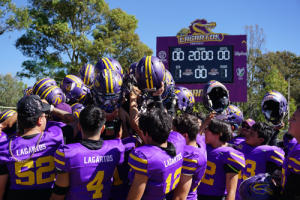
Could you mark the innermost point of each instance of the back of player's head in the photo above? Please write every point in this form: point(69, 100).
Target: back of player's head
point(222, 128)
point(157, 124)
point(263, 130)
point(91, 120)
point(187, 123)
point(199, 115)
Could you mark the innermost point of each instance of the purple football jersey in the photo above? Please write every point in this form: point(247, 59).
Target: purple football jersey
point(291, 164)
point(200, 139)
point(39, 171)
point(194, 164)
point(163, 173)
point(256, 159)
point(91, 171)
point(214, 181)
point(121, 183)
point(54, 123)
point(289, 144)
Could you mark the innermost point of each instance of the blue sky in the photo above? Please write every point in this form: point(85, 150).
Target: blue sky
point(280, 21)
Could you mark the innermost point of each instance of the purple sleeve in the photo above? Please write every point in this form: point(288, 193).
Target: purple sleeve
point(294, 161)
point(138, 162)
point(235, 159)
point(189, 165)
point(275, 155)
point(61, 162)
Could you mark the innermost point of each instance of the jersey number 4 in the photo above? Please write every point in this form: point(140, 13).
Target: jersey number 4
point(96, 185)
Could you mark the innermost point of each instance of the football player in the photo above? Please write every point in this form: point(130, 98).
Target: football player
point(29, 159)
point(194, 158)
point(85, 169)
point(260, 158)
point(223, 163)
point(291, 165)
point(153, 178)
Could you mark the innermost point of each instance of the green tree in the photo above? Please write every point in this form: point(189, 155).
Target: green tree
point(65, 35)
point(12, 17)
point(183, 31)
point(10, 90)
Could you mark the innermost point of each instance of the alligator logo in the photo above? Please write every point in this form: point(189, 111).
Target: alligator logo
point(201, 31)
point(261, 188)
point(202, 27)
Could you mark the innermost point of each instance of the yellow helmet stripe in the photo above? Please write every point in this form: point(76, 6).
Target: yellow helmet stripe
point(108, 61)
point(106, 80)
point(150, 71)
point(38, 82)
point(85, 73)
point(7, 113)
point(111, 82)
point(146, 71)
point(47, 91)
point(105, 63)
point(42, 84)
point(90, 70)
point(74, 78)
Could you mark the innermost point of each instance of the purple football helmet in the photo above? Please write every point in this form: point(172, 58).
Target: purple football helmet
point(67, 82)
point(42, 84)
point(53, 95)
point(6, 114)
point(259, 187)
point(274, 107)
point(109, 63)
point(77, 94)
point(185, 99)
point(169, 87)
point(77, 106)
point(234, 116)
point(149, 73)
point(215, 97)
point(28, 91)
point(107, 91)
point(87, 74)
point(129, 77)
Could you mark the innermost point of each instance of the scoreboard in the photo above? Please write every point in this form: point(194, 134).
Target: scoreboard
point(202, 55)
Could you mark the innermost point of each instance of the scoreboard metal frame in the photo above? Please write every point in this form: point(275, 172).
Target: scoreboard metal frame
point(197, 38)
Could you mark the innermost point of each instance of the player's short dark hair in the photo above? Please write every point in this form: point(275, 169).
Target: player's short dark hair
point(263, 130)
point(157, 124)
point(187, 123)
point(29, 122)
point(91, 120)
point(222, 128)
point(199, 115)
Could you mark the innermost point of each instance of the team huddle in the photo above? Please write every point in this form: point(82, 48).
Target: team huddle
point(105, 134)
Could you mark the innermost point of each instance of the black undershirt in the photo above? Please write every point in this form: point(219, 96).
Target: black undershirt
point(291, 190)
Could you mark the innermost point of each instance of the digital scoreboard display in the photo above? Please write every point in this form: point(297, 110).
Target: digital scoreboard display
point(200, 64)
point(203, 55)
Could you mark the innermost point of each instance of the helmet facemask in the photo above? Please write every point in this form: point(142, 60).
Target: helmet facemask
point(218, 99)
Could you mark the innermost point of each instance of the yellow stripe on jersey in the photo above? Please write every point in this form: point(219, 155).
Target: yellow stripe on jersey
point(136, 168)
point(278, 159)
point(150, 72)
point(279, 154)
point(237, 156)
point(138, 159)
point(296, 161)
point(146, 71)
point(189, 168)
point(190, 160)
point(108, 61)
point(230, 159)
point(60, 153)
point(294, 168)
point(111, 82)
point(106, 81)
point(59, 162)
